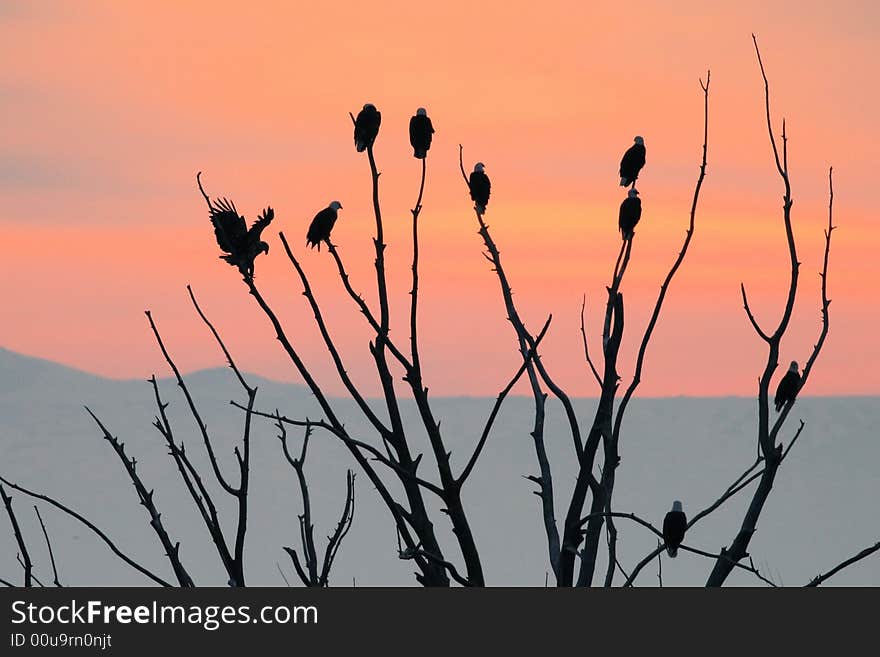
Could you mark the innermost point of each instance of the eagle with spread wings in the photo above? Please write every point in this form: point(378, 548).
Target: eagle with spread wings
point(240, 243)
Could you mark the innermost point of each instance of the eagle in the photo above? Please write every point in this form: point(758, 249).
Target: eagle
point(421, 131)
point(322, 224)
point(788, 387)
point(632, 162)
point(366, 127)
point(630, 213)
point(240, 243)
point(674, 526)
point(480, 187)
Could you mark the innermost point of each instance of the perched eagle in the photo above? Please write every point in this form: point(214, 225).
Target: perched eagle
point(366, 127)
point(242, 245)
point(421, 131)
point(632, 162)
point(630, 213)
point(480, 187)
point(322, 224)
point(674, 526)
point(788, 387)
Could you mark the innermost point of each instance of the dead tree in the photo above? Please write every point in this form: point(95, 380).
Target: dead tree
point(230, 553)
point(308, 568)
point(385, 452)
point(393, 448)
point(605, 428)
point(772, 453)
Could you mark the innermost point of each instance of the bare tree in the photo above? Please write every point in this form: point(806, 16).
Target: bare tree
point(385, 447)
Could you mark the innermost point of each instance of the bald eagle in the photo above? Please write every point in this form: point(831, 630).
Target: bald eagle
point(674, 526)
point(788, 387)
point(632, 162)
point(630, 213)
point(366, 127)
point(242, 245)
point(421, 131)
point(480, 187)
point(322, 224)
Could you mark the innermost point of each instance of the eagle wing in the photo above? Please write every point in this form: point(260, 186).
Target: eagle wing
point(229, 227)
point(264, 220)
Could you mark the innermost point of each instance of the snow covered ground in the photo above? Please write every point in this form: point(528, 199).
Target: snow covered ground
point(822, 509)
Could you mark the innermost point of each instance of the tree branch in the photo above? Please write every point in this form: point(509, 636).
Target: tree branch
point(57, 582)
point(141, 569)
point(25, 561)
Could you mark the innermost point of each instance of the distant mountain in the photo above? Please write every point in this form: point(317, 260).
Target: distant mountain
point(822, 509)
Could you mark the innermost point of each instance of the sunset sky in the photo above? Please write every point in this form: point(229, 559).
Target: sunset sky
point(109, 110)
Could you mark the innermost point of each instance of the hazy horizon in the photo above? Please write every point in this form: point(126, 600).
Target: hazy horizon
point(50, 444)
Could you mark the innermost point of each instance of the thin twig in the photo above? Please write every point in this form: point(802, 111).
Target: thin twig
point(848, 562)
point(25, 561)
point(57, 582)
point(58, 505)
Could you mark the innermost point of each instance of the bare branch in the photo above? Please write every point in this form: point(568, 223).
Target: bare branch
point(586, 348)
point(499, 401)
point(172, 550)
point(637, 377)
point(414, 292)
point(758, 330)
point(203, 428)
point(56, 581)
point(331, 347)
point(58, 505)
point(848, 562)
point(219, 341)
point(25, 555)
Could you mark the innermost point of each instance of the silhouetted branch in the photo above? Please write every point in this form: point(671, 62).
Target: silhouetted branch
point(365, 309)
point(429, 575)
point(586, 348)
point(414, 292)
point(342, 528)
point(497, 406)
point(203, 428)
point(450, 568)
point(172, 550)
point(867, 552)
point(637, 377)
point(533, 369)
point(25, 559)
point(198, 492)
point(309, 573)
point(226, 353)
point(331, 347)
point(58, 505)
point(772, 453)
point(56, 581)
point(758, 330)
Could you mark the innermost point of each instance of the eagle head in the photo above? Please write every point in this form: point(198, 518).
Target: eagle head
point(639, 141)
point(793, 367)
point(676, 505)
point(421, 112)
point(335, 205)
point(632, 193)
point(478, 167)
point(369, 106)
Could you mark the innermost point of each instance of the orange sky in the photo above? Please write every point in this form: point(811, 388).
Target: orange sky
point(108, 111)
